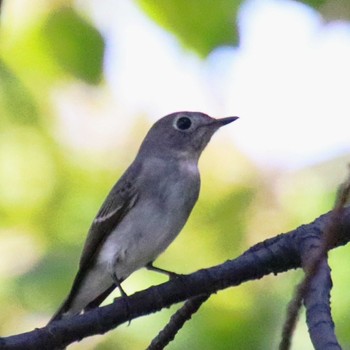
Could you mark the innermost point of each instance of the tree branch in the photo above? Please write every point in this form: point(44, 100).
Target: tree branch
point(177, 321)
point(274, 255)
point(317, 283)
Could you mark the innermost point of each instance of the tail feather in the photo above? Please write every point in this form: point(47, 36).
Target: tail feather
point(66, 305)
point(65, 308)
point(98, 300)
point(58, 315)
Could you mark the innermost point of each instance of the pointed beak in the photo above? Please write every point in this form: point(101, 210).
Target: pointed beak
point(225, 121)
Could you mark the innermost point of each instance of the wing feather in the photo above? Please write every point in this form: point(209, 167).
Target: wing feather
point(118, 203)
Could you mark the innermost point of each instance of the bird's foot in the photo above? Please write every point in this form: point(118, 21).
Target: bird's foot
point(170, 274)
point(124, 297)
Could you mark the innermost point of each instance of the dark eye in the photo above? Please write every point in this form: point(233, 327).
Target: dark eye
point(183, 123)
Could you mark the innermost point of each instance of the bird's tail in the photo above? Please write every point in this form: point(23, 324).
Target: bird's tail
point(65, 309)
point(61, 312)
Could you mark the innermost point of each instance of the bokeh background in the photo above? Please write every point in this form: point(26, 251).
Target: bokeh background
point(80, 84)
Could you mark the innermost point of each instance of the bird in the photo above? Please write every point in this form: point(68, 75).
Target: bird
point(144, 211)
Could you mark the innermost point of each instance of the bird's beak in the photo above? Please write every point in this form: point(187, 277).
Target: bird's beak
point(225, 121)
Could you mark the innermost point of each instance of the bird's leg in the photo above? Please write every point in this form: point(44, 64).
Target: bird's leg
point(124, 296)
point(119, 285)
point(170, 274)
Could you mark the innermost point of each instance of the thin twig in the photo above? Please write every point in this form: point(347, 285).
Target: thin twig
point(168, 333)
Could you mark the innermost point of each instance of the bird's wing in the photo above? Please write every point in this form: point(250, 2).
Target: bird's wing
point(121, 199)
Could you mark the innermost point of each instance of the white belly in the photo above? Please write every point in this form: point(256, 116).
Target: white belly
point(142, 235)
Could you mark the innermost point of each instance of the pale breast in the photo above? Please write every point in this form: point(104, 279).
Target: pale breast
point(166, 196)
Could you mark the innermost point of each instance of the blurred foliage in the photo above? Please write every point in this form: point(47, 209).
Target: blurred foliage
point(198, 25)
point(330, 9)
point(15, 100)
point(317, 4)
point(50, 189)
point(204, 26)
point(74, 44)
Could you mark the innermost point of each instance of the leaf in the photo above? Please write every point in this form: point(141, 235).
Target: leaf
point(199, 25)
point(16, 101)
point(75, 44)
point(330, 10)
point(316, 4)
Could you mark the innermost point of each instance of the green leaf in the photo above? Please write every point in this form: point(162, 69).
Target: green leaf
point(330, 10)
point(199, 25)
point(316, 4)
point(15, 100)
point(75, 45)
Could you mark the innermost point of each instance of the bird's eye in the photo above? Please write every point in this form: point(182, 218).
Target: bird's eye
point(183, 123)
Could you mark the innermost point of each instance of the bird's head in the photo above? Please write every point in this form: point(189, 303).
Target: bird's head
point(182, 134)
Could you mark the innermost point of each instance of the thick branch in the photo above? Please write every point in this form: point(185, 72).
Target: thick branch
point(318, 310)
point(316, 286)
point(274, 255)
